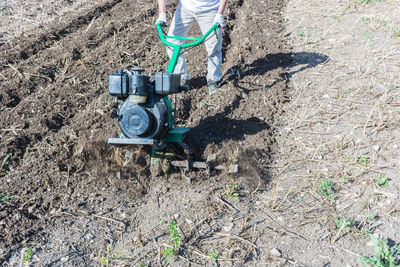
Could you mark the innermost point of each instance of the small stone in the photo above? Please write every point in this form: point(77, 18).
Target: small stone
point(90, 236)
point(275, 252)
point(228, 227)
point(188, 221)
point(176, 216)
point(395, 146)
point(327, 96)
point(30, 209)
point(64, 259)
point(376, 148)
point(319, 156)
point(288, 129)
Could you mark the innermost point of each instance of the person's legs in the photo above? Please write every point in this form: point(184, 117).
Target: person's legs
point(213, 45)
point(180, 25)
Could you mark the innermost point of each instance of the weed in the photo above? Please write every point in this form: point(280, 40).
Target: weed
point(344, 225)
point(235, 155)
point(343, 222)
point(382, 22)
point(341, 145)
point(382, 181)
point(142, 264)
point(4, 197)
point(174, 235)
point(372, 216)
point(385, 255)
point(363, 160)
point(201, 103)
point(367, 35)
point(103, 260)
point(326, 188)
point(213, 256)
point(303, 34)
point(232, 191)
point(363, 19)
point(175, 239)
point(396, 32)
point(169, 253)
point(28, 255)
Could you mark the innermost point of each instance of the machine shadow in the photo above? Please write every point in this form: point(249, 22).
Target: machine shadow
point(219, 127)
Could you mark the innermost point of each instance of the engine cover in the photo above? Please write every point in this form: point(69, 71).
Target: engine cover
point(147, 120)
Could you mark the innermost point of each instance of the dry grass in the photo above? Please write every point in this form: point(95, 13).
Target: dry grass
point(341, 124)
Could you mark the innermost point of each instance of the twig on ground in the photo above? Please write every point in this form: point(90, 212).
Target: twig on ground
point(16, 71)
point(90, 25)
point(283, 228)
point(237, 237)
point(227, 204)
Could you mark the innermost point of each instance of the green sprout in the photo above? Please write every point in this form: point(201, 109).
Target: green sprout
point(28, 255)
point(372, 216)
point(344, 225)
point(173, 234)
point(326, 188)
point(396, 32)
point(385, 255)
point(232, 191)
point(382, 181)
point(343, 222)
point(213, 256)
point(175, 239)
point(363, 160)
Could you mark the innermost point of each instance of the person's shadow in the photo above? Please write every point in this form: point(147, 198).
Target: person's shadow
point(219, 127)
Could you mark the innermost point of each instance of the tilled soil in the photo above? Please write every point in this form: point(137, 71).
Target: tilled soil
point(55, 120)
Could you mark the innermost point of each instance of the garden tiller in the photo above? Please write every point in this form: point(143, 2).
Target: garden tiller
point(146, 116)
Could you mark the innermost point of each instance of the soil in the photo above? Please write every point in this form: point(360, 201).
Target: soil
point(55, 121)
point(67, 198)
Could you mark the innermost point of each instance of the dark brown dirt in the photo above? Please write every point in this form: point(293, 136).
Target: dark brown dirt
point(55, 110)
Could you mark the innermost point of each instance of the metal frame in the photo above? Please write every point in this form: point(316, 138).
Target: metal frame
point(177, 47)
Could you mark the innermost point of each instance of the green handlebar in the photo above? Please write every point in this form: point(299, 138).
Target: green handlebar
point(177, 48)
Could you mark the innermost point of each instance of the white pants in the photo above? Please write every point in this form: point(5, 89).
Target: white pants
point(180, 26)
